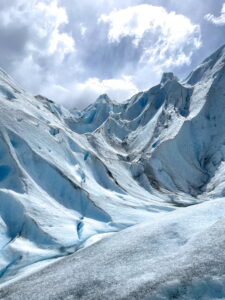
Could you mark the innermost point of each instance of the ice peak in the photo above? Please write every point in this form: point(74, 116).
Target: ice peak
point(167, 76)
point(218, 54)
point(42, 98)
point(104, 98)
point(209, 67)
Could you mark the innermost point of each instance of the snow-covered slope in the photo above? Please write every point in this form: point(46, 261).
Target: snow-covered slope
point(71, 178)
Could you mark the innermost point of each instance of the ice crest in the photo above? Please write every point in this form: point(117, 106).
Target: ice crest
point(169, 76)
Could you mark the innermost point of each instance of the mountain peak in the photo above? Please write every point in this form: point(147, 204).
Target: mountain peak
point(209, 67)
point(167, 76)
point(103, 98)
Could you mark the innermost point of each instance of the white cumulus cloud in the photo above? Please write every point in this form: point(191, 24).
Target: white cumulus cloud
point(84, 93)
point(169, 39)
point(118, 89)
point(219, 21)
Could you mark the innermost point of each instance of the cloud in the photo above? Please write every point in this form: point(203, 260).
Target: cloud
point(167, 39)
point(73, 51)
point(33, 44)
point(51, 17)
point(219, 21)
point(84, 93)
point(83, 30)
point(43, 20)
point(117, 89)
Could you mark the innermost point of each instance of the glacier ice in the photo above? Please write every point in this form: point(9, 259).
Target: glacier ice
point(134, 190)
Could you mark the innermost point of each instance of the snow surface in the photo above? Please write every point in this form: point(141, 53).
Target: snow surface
point(135, 190)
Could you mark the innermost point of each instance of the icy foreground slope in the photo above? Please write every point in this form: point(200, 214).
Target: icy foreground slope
point(179, 256)
point(71, 178)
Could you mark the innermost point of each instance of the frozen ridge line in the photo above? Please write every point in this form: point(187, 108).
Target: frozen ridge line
point(135, 191)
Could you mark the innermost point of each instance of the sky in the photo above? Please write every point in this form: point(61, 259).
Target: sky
point(71, 51)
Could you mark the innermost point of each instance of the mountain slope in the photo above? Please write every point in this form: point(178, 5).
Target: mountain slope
point(71, 178)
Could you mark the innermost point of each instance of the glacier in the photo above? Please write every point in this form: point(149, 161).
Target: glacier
point(119, 200)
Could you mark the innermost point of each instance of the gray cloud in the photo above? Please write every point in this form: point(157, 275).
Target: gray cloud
point(13, 42)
